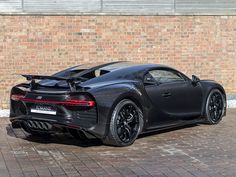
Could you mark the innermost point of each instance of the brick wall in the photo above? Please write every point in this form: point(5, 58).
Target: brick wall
point(203, 45)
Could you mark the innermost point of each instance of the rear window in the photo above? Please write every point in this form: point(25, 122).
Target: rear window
point(74, 72)
point(95, 73)
point(68, 73)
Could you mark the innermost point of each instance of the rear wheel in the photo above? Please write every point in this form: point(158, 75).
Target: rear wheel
point(215, 107)
point(125, 125)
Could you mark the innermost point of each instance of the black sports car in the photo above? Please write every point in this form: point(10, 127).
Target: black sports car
point(114, 102)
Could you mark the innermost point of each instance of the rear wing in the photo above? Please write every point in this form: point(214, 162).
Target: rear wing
point(70, 81)
point(41, 77)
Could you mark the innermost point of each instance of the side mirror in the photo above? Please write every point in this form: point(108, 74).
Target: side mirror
point(195, 79)
point(149, 81)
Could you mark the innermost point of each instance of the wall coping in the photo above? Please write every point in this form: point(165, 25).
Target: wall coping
point(116, 14)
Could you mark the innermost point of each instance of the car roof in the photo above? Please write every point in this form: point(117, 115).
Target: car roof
point(126, 65)
point(115, 71)
point(115, 66)
point(121, 70)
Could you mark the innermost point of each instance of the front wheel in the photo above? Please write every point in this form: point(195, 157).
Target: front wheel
point(125, 125)
point(215, 107)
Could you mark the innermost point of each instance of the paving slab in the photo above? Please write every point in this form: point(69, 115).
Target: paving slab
point(191, 151)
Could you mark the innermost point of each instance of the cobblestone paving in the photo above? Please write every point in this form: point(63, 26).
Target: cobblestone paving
point(200, 150)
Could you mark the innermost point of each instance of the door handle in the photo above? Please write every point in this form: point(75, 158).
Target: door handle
point(168, 94)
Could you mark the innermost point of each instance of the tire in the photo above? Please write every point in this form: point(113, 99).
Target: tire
point(215, 107)
point(125, 125)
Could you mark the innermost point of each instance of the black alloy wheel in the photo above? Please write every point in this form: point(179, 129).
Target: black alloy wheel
point(126, 124)
point(215, 107)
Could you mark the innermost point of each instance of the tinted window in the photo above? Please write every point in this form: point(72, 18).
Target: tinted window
point(74, 72)
point(164, 76)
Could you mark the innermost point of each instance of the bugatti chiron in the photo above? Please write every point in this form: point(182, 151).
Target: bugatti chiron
point(114, 102)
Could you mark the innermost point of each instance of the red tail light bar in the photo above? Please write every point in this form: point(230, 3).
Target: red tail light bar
point(17, 97)
point(69, 102)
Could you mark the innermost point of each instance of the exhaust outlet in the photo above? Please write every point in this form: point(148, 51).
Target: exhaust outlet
point(38, 125)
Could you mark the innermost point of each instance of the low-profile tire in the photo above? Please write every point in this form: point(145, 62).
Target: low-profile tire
point(215, 107)
point(125, 125)
point(34, 133)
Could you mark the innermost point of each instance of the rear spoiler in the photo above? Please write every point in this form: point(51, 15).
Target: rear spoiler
point(41, 77)
point(70, 81)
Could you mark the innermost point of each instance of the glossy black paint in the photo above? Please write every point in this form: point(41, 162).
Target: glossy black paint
point(163, 105)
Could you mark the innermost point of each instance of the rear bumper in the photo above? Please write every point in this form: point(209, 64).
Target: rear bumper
point(97, 130)
point(68, 109)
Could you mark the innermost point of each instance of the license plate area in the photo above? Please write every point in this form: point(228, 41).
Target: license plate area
point(43, 109)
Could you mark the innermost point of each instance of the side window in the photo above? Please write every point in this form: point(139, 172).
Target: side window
point(165, 76)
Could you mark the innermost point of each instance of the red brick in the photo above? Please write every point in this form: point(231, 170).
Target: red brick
point(201, 45)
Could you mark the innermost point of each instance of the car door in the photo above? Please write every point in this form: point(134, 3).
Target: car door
point(173, 96)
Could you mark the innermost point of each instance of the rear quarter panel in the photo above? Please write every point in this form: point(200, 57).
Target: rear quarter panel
point(108, 96)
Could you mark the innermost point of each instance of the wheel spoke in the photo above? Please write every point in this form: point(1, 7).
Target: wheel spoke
point(130, 118)
point(128, 133)
point(122, 115)
point(127, 127)
point(215, 115)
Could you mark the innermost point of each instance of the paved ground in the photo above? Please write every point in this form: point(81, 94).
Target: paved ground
point(187, 152)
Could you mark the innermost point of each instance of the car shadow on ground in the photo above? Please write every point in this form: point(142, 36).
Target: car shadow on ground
point(57, 138)
point(67, 139)
point(166, 130)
